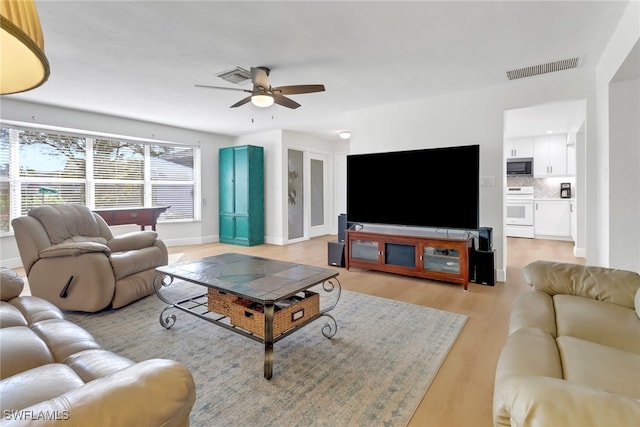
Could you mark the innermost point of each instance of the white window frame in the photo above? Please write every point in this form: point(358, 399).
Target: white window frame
point(15, 180)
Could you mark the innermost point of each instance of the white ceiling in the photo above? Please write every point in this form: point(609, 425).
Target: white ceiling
point(141, 59)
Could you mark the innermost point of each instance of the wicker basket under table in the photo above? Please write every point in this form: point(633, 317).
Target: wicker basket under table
point(252, 320)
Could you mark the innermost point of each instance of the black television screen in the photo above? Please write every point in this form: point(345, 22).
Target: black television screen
point(436, 187)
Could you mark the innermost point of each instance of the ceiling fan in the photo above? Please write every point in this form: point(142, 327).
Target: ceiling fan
point(263, 95)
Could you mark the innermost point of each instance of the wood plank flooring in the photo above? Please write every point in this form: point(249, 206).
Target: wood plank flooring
point(461, 394)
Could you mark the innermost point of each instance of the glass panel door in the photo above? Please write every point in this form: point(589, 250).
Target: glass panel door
point(295, 193)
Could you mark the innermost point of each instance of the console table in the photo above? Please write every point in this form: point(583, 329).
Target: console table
point(432, 255)
point(139, 216)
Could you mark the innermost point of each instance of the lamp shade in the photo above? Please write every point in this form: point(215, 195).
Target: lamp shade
point(23, 65)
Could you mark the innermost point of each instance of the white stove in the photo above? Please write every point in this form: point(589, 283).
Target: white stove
point(519, 212)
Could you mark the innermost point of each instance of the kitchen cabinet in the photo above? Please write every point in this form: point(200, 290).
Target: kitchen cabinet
point(552, 218)
point(518, 148)
point(550, 156)
point(241, 198)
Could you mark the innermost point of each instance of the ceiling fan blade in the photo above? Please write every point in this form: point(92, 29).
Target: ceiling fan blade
point(284, 101)
point(260, 77)
point(225, 88)
point(296, 89)
point(241, 102)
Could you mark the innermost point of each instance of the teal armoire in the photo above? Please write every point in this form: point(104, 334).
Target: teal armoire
point(242, 195)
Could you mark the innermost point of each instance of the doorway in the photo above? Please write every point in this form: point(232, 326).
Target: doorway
point(529, 130)
point(308, 194)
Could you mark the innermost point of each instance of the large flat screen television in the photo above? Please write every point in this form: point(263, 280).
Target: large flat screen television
point(436, 187)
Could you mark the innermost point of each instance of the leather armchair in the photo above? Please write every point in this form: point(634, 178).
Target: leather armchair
point(73, 260)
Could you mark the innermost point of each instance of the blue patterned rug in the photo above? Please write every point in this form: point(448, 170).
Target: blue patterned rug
point(373, 372)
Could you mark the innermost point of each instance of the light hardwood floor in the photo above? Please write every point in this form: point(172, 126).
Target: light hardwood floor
point(461, 394)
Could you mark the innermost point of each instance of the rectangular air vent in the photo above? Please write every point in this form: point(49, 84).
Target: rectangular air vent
point(549, 67)
point(237, 75)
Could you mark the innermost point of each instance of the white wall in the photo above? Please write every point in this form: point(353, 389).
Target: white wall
point(605, 241)
point(173, 234)
point(624, 177)
point(470, 117)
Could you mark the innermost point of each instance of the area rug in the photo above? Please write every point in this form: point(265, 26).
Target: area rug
point(373, 372)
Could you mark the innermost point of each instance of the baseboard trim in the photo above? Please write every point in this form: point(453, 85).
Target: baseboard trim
point(579, 252)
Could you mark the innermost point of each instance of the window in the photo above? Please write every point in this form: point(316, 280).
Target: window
point(46, 167)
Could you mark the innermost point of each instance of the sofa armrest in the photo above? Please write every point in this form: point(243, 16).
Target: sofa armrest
point(132, 241)
point(599, 283)
point(73, 249)
point(31, 238)
point(544, 401)
point(156, 392)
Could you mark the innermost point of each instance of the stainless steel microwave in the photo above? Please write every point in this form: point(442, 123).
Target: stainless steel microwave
point(520, 167)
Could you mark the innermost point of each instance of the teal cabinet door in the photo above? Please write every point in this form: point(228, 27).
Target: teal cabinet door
point(226, 180)
point(241, 193)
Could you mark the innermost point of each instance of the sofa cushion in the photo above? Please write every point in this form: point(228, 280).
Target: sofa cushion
point(10, 316)
point(600, 366)
point(21, 350)
point(36, 385)
point(64, 338)
point(66, 220)
point(596, 321)
point(35, 309)
point(637, 303)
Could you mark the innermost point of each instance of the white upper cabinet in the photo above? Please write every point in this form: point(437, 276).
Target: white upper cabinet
point(518, 148)
point(550, 155)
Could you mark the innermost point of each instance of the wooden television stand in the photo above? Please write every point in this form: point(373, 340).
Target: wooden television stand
point(412, 252)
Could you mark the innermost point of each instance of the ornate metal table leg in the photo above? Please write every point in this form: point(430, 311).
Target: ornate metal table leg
point(329, 330)
point(159, 281)
point(269, 310)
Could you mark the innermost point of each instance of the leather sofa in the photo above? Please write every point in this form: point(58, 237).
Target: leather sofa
point(52, 372)
point(572, 357)
point(73, 260)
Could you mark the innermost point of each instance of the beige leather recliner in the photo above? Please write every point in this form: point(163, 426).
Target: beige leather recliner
point(73, 260)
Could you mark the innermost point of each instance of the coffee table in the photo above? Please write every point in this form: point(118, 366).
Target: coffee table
point(265, 283)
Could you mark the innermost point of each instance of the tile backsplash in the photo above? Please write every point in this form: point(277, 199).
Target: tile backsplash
point(543, 187)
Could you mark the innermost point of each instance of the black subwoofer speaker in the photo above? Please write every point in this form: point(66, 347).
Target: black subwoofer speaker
point(336, 254)
point(485, 238)
point(482, 267)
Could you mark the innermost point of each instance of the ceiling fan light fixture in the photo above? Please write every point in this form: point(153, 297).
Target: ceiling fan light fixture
point(262, 100)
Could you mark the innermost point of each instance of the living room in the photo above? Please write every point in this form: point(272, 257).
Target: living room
point(474, 115)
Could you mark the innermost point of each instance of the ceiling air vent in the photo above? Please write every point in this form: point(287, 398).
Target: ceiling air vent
point(237, 75)
point(549, 67)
